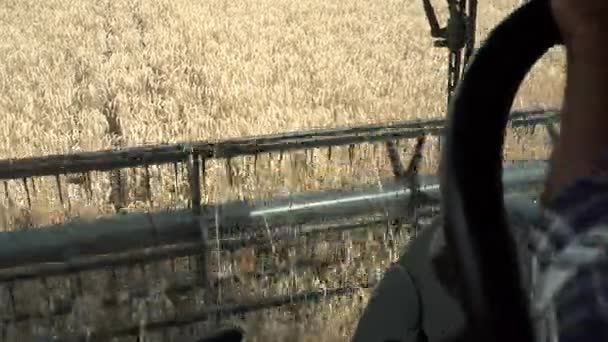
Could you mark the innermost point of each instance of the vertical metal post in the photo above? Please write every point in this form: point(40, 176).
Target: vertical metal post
point(148, 185)
point(471, 35)
point(176, 182)
point(118, 185)
point(59, 189)
point(6, 194)
point(195, 191)
point(89, 187)
point(457, 35)
point(27, 193)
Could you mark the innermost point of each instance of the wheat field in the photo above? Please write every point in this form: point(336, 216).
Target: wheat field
point(82, 75)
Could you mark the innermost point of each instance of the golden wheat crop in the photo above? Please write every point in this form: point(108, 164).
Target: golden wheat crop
point(80, 75)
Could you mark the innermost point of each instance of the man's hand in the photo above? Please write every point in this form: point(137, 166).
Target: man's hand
point(582, 149)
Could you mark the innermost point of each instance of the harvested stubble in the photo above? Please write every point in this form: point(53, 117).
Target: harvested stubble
point(84, 75)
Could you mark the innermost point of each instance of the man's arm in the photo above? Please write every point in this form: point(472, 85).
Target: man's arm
point(576, 194)
point(582, 149)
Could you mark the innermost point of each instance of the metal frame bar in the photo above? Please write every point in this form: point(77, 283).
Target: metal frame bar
point(137, 231)
point(140, 156)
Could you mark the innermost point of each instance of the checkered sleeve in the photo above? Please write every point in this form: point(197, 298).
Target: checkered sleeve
point(573, 268)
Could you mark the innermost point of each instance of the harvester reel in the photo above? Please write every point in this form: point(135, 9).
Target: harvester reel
point(70, 248)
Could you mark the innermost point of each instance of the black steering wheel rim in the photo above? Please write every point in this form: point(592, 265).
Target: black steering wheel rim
point(476, 226)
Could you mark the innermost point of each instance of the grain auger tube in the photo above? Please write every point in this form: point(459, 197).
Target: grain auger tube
point(480, 294)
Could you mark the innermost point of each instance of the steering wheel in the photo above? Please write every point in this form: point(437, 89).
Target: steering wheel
point(476, 227)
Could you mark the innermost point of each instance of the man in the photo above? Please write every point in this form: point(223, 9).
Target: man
point(417, 300)
point(576, 194)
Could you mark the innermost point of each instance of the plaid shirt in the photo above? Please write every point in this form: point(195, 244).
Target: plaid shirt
point(572, 280)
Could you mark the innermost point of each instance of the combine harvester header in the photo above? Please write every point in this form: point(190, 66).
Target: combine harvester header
point(133, 239)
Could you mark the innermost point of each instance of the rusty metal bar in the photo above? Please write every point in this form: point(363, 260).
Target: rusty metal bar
point(121, 233)
point(167, 252)
point(165, 154)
